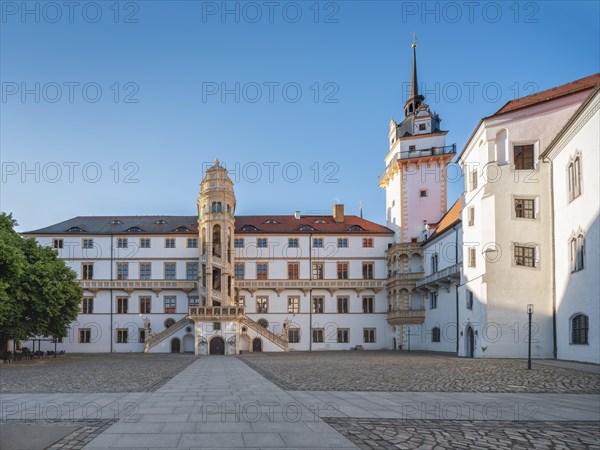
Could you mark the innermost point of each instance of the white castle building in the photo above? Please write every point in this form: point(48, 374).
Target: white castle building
point(217, 283)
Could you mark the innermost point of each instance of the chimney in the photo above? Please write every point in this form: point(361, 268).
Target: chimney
point(338, 213)
point(297, 215)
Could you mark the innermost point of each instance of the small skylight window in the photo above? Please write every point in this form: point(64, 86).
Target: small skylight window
point(116, 222)
point(74, 230)
point(270, 221)
point(249, 228)
point(355, 228)
point(160, 222)
point(135, 230)
point(306, 228)
point(320, 221)
point(182, 229)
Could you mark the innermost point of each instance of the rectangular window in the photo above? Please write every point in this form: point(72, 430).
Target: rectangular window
point(262, 271)
point(145, 305)
point(412, 148)
point(318, 305)
point(434, 263)
point(293, 271)
point(262, 305)
point(170, 305)
point(342, 305)
point(122, 271)
point(238, 243)
point(474, 179)
point(170, 243)
point(240, 301)
point(122, 336)
point(342, 243)
point(122, 305)
point(472, 257)
point(343, 335)
point(435, 335)
point(85, 335)
point(317, 271)
point(193, 301)
point(318, 335)
point(293, 305)
point(367, 271)
point(342, 271)
point(216, 326)
point(293, 335)
point(523, 155)
point(261, 243)
point(141, 335)
point(422, 127)
point(433, 298)
point(423, 193)
point(574, 177)
point(577, 252)
point(471, 214)
point(293, 243)
point(192, 243)
point(87, 305)
point(122, 243)
point(57, 243)
point(524, 256)
point(170, 273)
point(524, 208)
point(369, 335)
point(239, 271)
point(191, 270)
point(145, 243)
point(469, 300)
point(368, 305)
point(88, 243)
point(317, 242)
point(367, 242)
point(145, 271)
point(87, 271)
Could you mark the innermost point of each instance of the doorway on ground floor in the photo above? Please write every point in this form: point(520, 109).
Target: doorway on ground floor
point(469, 343)
point(175, 345)
point(257, 345)
point(217, 346)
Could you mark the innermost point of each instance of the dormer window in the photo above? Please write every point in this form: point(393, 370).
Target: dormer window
point(422, 127)
point(160, 222)
point(249, 228)
point(270, 221)
point(306, 228)
point(74, 230)
point(355, 228)
point(182, 230)
point(320, 221)
point(135, 230)
point(116, 222)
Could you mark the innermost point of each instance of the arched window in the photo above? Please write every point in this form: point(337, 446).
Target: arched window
point(169, 322)
point(579, 329)
point(576, 250)
point(574, 177)
point(435, 335)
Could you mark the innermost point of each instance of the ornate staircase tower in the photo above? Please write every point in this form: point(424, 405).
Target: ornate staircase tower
point(216, 207)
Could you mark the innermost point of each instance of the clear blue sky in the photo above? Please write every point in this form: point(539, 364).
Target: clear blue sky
point(179, 52)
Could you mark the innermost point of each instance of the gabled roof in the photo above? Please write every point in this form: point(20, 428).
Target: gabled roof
point(449, 219)
point(308, 224)
point(168, 225)
point(550, 94)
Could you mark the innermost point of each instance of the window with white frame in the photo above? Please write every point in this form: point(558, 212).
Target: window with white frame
point(574, 177)
point(524, 255)
point(122, 271)
point(262, 305)
point(293, 305)
point(524, 208)
point(145, 271)
point(576, 247)
point(343, 335)
point(239, 271)
point(369, 335)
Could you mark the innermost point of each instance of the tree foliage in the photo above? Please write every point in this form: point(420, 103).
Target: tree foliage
point(39, 293)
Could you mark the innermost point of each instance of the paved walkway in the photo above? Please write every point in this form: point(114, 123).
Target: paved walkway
point(220, 402)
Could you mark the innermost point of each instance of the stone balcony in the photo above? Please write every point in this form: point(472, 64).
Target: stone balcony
point(216, 313)
point(305, 286)
point(412, 316)
point(442, 277)
point(132, 285)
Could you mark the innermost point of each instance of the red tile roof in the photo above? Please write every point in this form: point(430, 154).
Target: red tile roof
point(450, 218)
point(312, 224)
point(550, 94)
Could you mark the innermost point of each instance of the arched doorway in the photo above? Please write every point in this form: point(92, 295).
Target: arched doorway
point(469, 343)
point(175, 345)
point(256, 345)
point(188, 343)
point(217, 346)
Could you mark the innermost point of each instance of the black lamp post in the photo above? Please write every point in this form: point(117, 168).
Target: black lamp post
point(529, 313)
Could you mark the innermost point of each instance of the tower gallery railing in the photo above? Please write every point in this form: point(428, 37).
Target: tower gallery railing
point(419, 153)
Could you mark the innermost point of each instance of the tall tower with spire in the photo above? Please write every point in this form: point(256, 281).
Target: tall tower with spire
point(414, 178)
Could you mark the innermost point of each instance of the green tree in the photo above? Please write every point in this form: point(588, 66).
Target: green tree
point(39, 293)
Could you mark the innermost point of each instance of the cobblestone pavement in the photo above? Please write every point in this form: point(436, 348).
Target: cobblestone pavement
point(414, 372)
point(83, 436)
point(429, 434)
point(116, 372)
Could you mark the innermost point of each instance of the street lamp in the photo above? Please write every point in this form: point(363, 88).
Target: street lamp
point(529, 313)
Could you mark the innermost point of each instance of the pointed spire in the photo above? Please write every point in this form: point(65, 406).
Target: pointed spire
point(414, 99)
